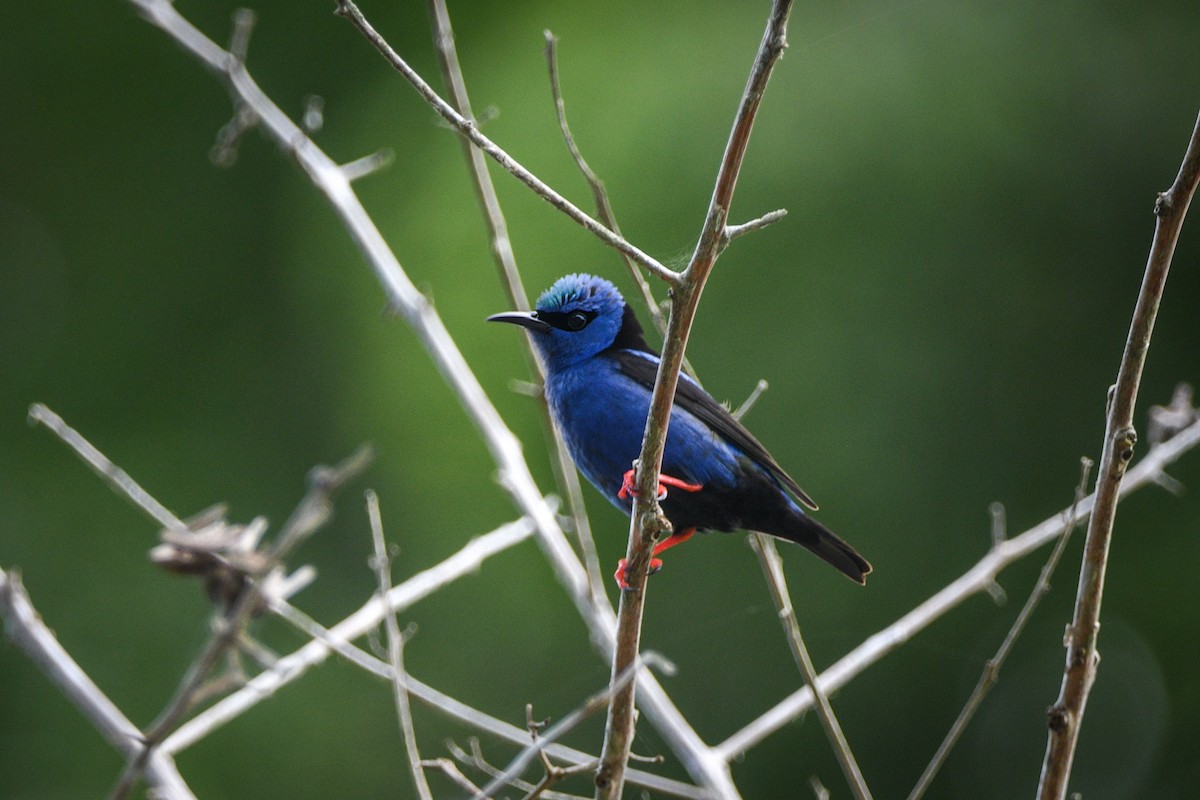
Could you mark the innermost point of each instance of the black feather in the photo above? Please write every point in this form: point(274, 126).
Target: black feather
point(690, 397)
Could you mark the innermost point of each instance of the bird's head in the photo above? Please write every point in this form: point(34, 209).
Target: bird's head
point(576, 318)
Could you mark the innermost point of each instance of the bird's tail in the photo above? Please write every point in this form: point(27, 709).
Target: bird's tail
point(807, 532)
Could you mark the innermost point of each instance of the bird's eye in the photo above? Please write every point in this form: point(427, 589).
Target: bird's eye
point(577, 320)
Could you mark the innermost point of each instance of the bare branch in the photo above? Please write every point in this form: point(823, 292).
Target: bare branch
point(975, 580)
point(117, 478)
point(1065, 716)
point(481, 179)
point(506, 263)
point(476, 759)
point(25, 628)
point(468, 129)
point(647, 521)
point(772, 567)
point(595, 703)
point(293, 666)
point(311, 513)
point(328, 177)
point(331, 639)
point(991, 670)
point(734, 231)
point(325, 641)
point(599, 194)
point(395, 641)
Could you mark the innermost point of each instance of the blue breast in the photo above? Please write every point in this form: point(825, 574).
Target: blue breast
point(602, 415)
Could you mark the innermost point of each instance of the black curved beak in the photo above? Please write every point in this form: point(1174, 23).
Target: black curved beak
point(526, 319)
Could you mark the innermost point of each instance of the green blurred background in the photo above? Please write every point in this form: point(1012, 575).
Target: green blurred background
point(969, 188)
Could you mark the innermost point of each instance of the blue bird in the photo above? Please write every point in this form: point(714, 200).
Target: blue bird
point(599, 375)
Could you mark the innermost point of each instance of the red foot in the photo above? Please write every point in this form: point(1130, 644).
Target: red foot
point(622, 573)
point(628, 490)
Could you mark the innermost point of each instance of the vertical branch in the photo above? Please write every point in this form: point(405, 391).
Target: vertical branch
point(1150, 470)
point(485, 190)
point(510, 277)
point(772, 566)
point(991, 670)
point(647, 521)
point(395, 648)
point(1065, 716)
point(599, 194)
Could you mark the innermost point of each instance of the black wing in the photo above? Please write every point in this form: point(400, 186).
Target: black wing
point(701, 405)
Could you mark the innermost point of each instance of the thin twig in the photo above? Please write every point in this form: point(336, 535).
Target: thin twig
point(593, 704)
point(117, 478)
point(452, 772)
point(975, 580)
point(1065, 716)
point(772, 567)
point(468, 129)
point(367, 165)
point(552, 773)
point(751, 399)
point(647, 521)
point(604, 208)
point(991, 670)
point(289, 668)
point(311, 512)
point(334, 641)
point(24, 626)
point(481, 180)
point(734, 231)
point(395, 647)
point(316, 507)
point(476, 759)
point(510, 277)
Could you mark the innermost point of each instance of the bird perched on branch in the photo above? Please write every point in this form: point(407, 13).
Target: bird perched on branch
point(715, 474)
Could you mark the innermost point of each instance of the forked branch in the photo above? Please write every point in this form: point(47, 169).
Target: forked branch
point(470, 130)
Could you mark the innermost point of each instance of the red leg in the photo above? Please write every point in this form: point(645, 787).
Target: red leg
point(621, 574)
point(627, 489)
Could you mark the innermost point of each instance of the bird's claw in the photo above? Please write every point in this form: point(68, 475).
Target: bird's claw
point(628, 490)
point(622, 573)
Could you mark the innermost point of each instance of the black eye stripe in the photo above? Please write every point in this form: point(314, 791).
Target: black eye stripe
point(570, 321)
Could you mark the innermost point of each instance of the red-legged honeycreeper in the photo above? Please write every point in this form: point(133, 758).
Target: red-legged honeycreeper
point(715, 474)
